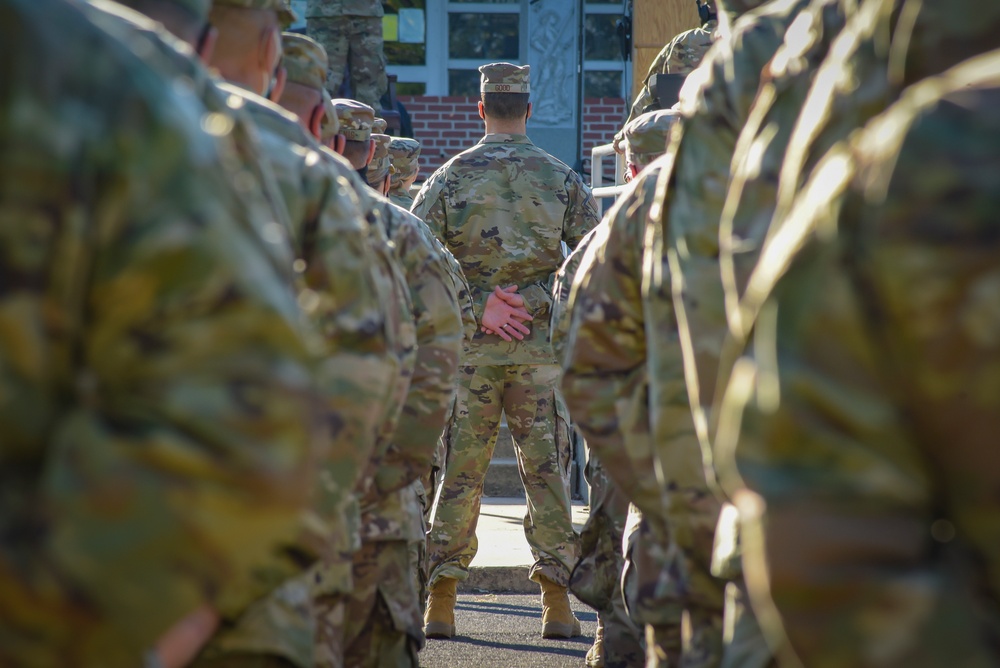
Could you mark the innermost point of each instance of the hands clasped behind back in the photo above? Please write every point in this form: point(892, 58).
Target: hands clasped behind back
point(505, 314)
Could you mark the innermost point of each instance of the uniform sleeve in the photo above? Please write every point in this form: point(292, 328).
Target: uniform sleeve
point(605, 371)
point(355, 372)
point(181, 460)
point(582, 214)
point(429, 206)
point(438, 319)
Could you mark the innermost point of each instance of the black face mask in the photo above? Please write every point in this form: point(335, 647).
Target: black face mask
point(363, 172)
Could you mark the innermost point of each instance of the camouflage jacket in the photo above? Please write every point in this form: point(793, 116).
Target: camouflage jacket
point(159, 413)
point(356, 302)
point(684, 247)
point(335, 8)
point(503, 208)
point(437, 315)
point(605, 382)
point(401, 198)
point(869, 383)
point(562, 286)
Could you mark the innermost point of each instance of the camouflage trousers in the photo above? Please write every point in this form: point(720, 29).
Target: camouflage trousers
point(353, 43)
point(383, 626)
point(538, 421)
point(597, 578)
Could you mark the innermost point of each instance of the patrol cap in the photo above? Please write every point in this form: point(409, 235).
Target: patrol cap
point(379, 126)
point(330, 125)
point(504, 78)
point(646, 135)
point(379, 167)
point(285, 13)
point(356, 119)
point(304, 59)
point(405, 155)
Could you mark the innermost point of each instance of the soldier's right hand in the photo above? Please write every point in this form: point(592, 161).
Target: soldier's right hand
point(505, 315)
point(181, 643)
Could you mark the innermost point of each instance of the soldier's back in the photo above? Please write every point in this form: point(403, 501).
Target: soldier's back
point(139, 303)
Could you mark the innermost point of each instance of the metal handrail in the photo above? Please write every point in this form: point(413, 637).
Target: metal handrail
point(597, 155)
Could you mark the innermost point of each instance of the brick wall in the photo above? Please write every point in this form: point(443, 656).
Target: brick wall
point(448, 125)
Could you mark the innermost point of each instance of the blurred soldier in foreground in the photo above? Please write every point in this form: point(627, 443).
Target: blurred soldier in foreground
point(406, 161)
point(351, 33)
point(503, 208)
point(865, 407)
point(607, 387)
point(157, 452)
point(350, 273)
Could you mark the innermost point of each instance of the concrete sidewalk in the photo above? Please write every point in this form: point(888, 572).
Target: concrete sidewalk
point(503, 559)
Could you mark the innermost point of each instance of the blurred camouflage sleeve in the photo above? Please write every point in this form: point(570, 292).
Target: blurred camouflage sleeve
point(605, 372)
point(439, 331)
point(160, 417)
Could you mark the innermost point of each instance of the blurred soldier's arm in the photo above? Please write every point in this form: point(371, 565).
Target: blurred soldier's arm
point(156, 365)
point(438, 318)
point(605, 371)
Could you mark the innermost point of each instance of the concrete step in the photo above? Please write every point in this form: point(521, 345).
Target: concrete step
point(505, 444)
point(502, 479)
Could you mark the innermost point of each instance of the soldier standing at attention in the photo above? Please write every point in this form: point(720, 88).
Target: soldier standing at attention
point(405, 154)
point(503, 208)
point(351, 33)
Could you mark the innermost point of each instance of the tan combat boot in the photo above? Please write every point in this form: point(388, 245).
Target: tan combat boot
point(557, 619)
point(439, 619)
point(595, 655)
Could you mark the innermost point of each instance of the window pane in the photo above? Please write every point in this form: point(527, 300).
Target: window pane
point(406, 88)
point(398, 53)
point(598, 83)
point(601, 37)
point(483, 36)
point(463, 82)
point(404, 54)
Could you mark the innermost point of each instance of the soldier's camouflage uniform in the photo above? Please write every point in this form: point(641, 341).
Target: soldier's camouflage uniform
point(364, 314)
point(384, 614)
point(866, 411)
point(405, 154)
point(159, 409)
point(683, 283)
point(351, 33)
point(596, 579)
point(681, 55)
point(607, 386)
point(503, 208)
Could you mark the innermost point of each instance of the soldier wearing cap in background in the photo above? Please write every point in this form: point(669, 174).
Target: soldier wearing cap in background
point(504, 207)
point(405, 154)
point(681, 55)
point(628, 474)
point(109, 542)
